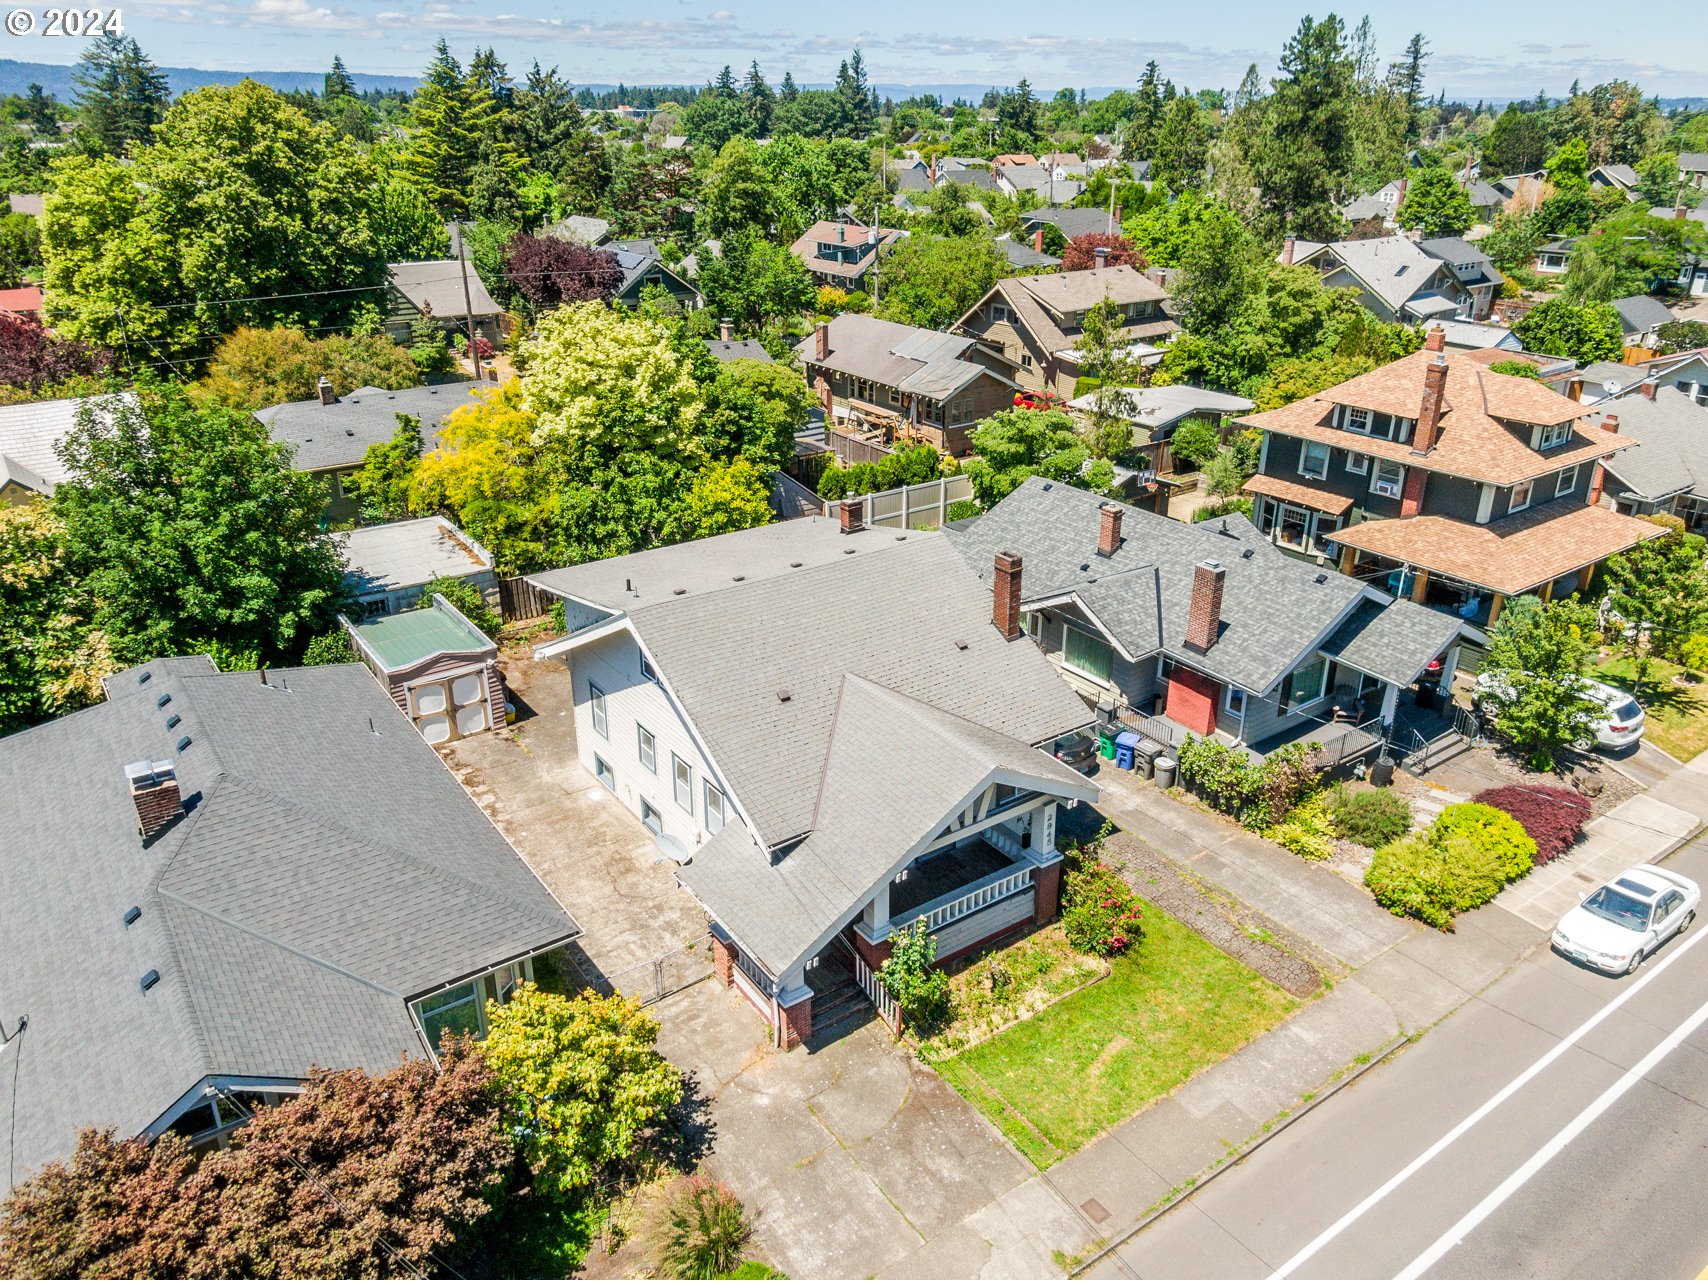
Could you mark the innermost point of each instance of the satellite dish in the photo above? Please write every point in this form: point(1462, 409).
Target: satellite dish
point(1612, 386)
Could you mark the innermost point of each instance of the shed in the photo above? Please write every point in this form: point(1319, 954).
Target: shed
point(388, 565)
point(437, 666)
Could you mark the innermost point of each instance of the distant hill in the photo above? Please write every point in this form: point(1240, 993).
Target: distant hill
point(16, 77)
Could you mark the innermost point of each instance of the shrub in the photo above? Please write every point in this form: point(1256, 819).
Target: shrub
point(1372, 817)
point(921, 991)
point(467, 599)
point(1490, 829)
point(699, 1231)
point(1195, 442)
point(1433, 880)
point(962, 508)
point(1551, 816)
point(1693, 653)
point(1308, 831)
point(333, 647)
point(1225, 507)
point(1100, 912)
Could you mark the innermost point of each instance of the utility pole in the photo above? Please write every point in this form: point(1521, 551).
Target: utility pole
point(468, 305)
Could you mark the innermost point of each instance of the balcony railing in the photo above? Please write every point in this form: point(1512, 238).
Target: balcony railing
point(969, 898)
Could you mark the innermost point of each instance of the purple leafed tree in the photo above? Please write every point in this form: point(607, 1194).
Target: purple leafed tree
point(550, 272)
point(33, 358)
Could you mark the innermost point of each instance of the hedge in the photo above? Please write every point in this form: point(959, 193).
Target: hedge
point(1371, 816)
point(1553, 817)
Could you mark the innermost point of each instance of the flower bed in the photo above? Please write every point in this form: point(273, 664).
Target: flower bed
point(1011, 984)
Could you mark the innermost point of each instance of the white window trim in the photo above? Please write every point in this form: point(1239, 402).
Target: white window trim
point(1552, 435)
point(646, 743)
point(1352, 424)
point(719, 812)
point(646, 669)
point(1512, 503)
point(1294, 705)
point(648, 808)
point(1384, 487)
point(598, 711)
point(1567, 481)
point(1108, 680)
point(677, 786)
point(1357, 462)
point(1228, 693)
point(1305, 458)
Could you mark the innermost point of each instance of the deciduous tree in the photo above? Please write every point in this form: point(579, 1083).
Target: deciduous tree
point(255, 368)
point(1435, 205)
point(931, 281)
point(1080, 253)
point(549, 272)
point(1541, 652)
point(1585, 333)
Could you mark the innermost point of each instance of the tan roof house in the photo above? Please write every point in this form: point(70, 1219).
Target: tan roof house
point(842, 253)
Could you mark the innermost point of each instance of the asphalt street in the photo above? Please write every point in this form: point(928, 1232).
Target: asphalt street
point(1556, 1126)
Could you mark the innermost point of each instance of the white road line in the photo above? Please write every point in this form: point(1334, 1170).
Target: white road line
point(1549, 1150)
point(1512, 1087)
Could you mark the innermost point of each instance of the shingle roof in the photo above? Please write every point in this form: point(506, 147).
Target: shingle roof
point(435, 287)
point(1157, 407)
point(325, 437)
point(1038, 301)
point(918, 361)
point(1273, 607)
point(1291, 491)
point(1392, 642)
point(1475, 441)
point(1511, 555)
point(407, 553)
point(324, 872)
point(894, 769)
point(739, 349)
point(30, 433)
point(828, 231)
point(1641, 312)
point(1071, 222)
point(1021, 255)
point(580, 229)
point(1671, 454)
point(1391, 267)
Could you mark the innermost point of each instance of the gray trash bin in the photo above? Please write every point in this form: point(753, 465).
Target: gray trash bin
point(1144, 757)
point(1165, 771)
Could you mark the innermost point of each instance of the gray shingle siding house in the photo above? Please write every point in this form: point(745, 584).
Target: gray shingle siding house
point(824, 726)
point(228, 881)
point(1204, 628)
point(1667, 471)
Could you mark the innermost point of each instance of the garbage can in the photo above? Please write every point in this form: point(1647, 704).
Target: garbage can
point(1426, 694)
point(1125, 742)
point(1106, 742)
point(1165, 772)
point(1382, 772)
point(1144, 757)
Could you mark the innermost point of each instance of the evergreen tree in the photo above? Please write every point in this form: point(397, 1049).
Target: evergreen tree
point(489, 75)
point(1017, 113)
point(338, 82)
point(788, 91)
point(1182, 146)
point(724, 85)
point(857, 115)
point(121, 94)
point(760, 102)
point(41, 110)
point(1305, 153)
point(1147, 115)
point(456, 127)
point(1408, 79)
point(1517, 143)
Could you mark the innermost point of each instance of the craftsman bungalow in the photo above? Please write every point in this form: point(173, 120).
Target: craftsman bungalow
point(820, 724)
point(1464, 486)
point(843, 254)
point(1204, 628)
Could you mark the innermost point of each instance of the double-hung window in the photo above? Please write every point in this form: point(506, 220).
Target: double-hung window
point(1313, 460)
point(1358, 420)
point(603, 772)
point(683, 782)
point(1389, 479)
point(1556, 434)
point(1233, 700)
point(596, 700)
point(1356, 462)
point(714, 808)
point(1520, 496)
point(1567, 481)
point(648, 747)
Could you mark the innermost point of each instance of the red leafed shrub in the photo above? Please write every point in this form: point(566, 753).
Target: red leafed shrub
point(1550, 816)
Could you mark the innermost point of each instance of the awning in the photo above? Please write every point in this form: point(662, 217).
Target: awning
point(1431, 304)
point(1290, 492)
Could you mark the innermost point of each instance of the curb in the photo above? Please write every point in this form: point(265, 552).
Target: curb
point(1252, 1146)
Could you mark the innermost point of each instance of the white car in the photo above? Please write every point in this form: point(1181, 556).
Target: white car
point(1625, 920)
point(1618, 727)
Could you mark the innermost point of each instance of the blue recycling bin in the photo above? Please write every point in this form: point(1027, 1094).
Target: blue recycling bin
point(1126, 745)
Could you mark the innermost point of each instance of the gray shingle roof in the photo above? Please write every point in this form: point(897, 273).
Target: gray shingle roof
point(918, 361)
point(1070, 222)
point(1273, 609)
point(894, 770)
point(1393, 641)
point(1021, 255)
point(791, 500)
point(322, 874)
point(30, 433)
point(435, 288)
point(1391, 267)
point(325, 437)
point(408, 553)
point(1672, 456)
point(1641, 312)
point(739, 349)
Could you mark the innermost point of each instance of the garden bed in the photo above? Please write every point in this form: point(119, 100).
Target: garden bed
point(1167, 1010)
point(1012, 983)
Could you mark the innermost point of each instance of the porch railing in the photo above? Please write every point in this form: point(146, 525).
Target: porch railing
point(969, 898)
point(873, 986)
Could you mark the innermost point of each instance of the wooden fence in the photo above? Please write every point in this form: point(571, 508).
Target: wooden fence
point(518, 599)
point(850, 450)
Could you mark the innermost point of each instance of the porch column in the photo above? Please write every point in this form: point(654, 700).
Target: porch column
point(794, 1009)
point(1495, 607)
point(1348, 560)
point(872, 930)
point(1547, 592)
point(1390, 702)
point(1449, 666)
point(1419, 586)
point(1046, 863)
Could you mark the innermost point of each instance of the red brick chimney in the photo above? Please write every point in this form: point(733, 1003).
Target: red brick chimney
point(1411, 497)
point(826, 399)
point(821, 346)
point(1118, 209)
point(853, 515)
point(1597, 481)
point(1435, 339)
point(1204, 618)
point(1648, 387)
point(1288, 245)
point(1400, 196)
point(154, 791)
point(1038, 241)
point(1680, 211)
point(1109, 532)
point(1610, 423)
point(726, 330)
point(1429, 418)
point(1005, 600)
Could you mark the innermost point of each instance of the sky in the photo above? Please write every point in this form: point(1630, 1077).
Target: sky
point(1486, 48)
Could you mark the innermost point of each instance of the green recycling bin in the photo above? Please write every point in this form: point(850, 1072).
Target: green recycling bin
point(1106, 742)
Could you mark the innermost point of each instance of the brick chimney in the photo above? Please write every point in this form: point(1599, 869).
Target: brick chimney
point(1434, 392)
point(1411, 497)
point(1109, 532)
point(1597, 482)
point(154, 791)
point(1005, 599)
point(853, 515)
point(821, 342)
point(1038, 241)
point(726, 330)
point(1648, 387)
point(1288, 245)
point(323, 389)
point(1436, 339)
point(1680, 211)
point(1204, 618)
point(1118, 209)
point(1400, 196)
point(1610, 423)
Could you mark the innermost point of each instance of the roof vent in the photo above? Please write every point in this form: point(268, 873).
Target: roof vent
point(142, 678)
point(150, 979)
point(738, 578)
point(163, 700)
point(1048, 486)
point(349, 432)
point(794, 564)
point(1246, 554)
point(133, 916)
point(901, 538)
point(784, 696)
point(173, 721)
point(849, 551)
point(1320, 579)
point(960, 644)
point(183, 742)
point(679, 591)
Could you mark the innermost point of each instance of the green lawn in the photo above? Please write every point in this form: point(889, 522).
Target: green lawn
point(1056, 1081)
point(1677, 715)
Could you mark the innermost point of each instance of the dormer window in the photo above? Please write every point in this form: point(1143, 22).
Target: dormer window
point(1358, 420)
point(1555, 434)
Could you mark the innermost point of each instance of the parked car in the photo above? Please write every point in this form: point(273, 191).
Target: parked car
point(1625, 920)
point(1076, 751)
point(1619, 726)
